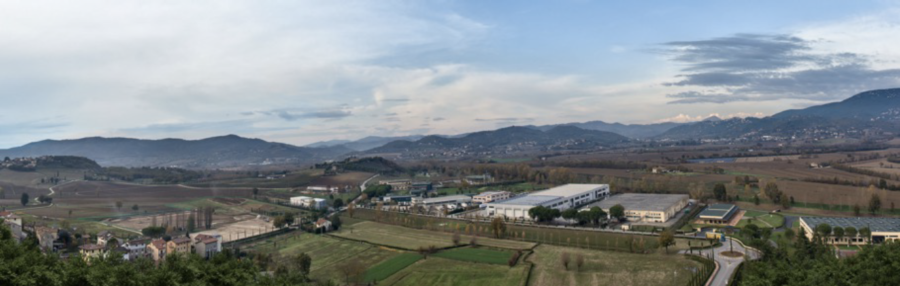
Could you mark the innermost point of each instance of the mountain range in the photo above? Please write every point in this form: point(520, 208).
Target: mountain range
point(871, 112)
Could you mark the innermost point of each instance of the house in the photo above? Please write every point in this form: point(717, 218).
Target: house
point(46, 237)
point(14, 223)
point(487, 197)
point(135, 248)
point(479, 179)
point(157, 250)
point(719, 214)
point(104, 237)
point(91, 251)
point(178, 245)
point(323, 189)
point(323, 224)
point(207, 246)
point(313, 203)
point(397, 185)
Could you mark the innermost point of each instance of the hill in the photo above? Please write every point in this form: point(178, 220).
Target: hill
point(215, 152)
point(864, 114)
point(509, 140)
point(636, 131)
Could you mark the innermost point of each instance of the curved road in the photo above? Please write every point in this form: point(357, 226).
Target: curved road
point(727, 265)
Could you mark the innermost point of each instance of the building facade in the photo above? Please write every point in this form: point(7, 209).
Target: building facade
point(652, 208)
point(882, 229)
point(719, 214)
point(562, 198)
point(492, 196)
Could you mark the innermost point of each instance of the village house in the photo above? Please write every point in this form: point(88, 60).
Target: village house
point(178, 245)
point(323, 224)
point(136, 248)
point(14, 223)
point(46, 237)
point(104, 237)
point(207, 246)
point(157, 250)
point(91, 251)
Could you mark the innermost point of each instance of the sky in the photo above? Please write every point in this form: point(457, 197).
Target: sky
point(298, 72)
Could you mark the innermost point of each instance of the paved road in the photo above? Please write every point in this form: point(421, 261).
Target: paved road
point(727, 265)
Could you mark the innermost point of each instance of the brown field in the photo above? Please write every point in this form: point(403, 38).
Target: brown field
point(881, 165)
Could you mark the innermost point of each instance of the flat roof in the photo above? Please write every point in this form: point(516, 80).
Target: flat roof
point(641, 202)
point(529, 200)
point(568, 190)
point(447, 198)
point(875, 224)
point(718, 211)
point(491, 193)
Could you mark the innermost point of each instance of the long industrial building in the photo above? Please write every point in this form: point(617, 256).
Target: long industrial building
point(882, 228)
point(656, 208)
point(562, 198)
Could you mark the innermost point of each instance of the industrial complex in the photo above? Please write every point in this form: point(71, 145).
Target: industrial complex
point(561, 198)
point(882, 229)
point(655, 208)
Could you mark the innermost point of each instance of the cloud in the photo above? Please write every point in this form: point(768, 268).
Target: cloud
point(758, 67)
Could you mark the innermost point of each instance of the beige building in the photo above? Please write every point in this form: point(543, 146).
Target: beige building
point(655, 208)
point(882, 229)
point(397, 185)
point(487, 197)
point(178, 245)
point(157, 250)
point(91, 251)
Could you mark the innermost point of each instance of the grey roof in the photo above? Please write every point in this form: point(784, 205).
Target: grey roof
point(529, 200)
point(718, 211)
point(640, 202)
point(447, 199)
point(875, 224)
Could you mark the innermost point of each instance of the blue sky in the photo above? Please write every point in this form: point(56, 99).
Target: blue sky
point(304, 71)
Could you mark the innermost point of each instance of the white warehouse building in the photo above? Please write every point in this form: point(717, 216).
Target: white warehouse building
point(562, 198)
point(313, 203)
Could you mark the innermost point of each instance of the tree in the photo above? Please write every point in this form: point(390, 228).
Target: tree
point(191, 223)
point(824, 230)
point(579, 261)
point(351, 209)
point(134, 207)
point(617, 211)
point(785, 201)
point(278, 222)
point(564, 260)
point(596, 214)
point(756, 200)
point(118, 205)
point(856, 210)
point(666, 239)
point(455, 238)
point(838, 233)
point(305, 262)
point(789, 233)
point(752, 230)
point(336, 222)
point(570, 214)
point(153, 231)
point(24, 199)
point(850, 232)
point(255, 192)
point(337, 204)
point(866, 234)
point(874, 204)
point(498, 227)
point(720, 192)
point(289, 218)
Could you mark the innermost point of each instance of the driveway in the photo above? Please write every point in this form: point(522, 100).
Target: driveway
point(727, 265)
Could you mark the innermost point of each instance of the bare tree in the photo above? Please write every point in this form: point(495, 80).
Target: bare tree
point(579, 261)
point(565, 259)
point(456, 238)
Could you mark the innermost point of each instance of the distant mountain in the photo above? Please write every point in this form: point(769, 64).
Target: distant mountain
point(869, 112)
point(215, 152)
point(364, 143)
point(509, 140)
point(636, 131)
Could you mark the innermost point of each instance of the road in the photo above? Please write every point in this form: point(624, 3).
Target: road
point(727, 265)
point(362, 187)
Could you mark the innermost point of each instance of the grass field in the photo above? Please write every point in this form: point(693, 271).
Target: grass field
point(387, 268)
point(525, 234)
point(477, 255)
point(440, 271)
point(412, 239)
point(328, 254)
point(761, 219)
point(608, 268)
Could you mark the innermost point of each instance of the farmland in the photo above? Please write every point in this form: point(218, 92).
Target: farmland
point(608, 268)
point(412, 239)
point(387, 268)
point(440, 271)
point(500, 257)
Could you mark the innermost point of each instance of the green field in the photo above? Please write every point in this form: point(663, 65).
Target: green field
point(608, 268)
point(387, 268)
point(477, 255)
point(412, 239)
point(524, 234)
point(440, 271)
point(328, 254)
point(763, 220)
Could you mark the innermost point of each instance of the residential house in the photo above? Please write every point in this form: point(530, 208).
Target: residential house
point(91, 251)
point(46, 237)
point(157, 250)
point(14, 223)
point(207, 245)
point(136, 248)
point(104, 237)
point(323, 224)
point(313, 203)
point(178, 245)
